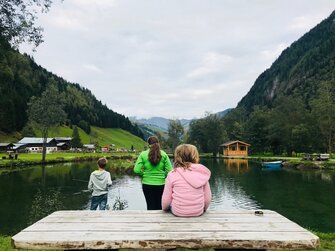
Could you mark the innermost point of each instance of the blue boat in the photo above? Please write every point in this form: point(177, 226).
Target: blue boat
point(272, 164)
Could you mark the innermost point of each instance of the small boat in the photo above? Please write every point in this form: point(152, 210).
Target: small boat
point(272, 164)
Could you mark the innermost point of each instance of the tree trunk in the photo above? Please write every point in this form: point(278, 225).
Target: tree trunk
point(43, 177)
point(44, 148)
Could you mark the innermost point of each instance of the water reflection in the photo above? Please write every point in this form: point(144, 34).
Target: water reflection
point(236, 165)
point(227, 193)
point(327, 177)
point(44, 203)
point(306, 197)
point(128, 188)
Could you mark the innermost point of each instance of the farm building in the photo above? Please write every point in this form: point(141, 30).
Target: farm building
point(89, 147)
point(36, 144)
point(63, 143)
point(4, 147)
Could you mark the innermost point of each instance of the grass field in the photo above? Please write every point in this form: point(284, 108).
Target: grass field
point(26, 159)
point(103, 136)
point(118, 137)
point(66, 156)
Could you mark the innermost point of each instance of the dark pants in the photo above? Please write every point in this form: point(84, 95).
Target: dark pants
point(100, 201)
point(153, 196)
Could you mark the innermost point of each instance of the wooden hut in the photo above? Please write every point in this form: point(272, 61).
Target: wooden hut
point(235, 148)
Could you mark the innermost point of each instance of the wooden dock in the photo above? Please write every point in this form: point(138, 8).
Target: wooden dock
point(227, 229)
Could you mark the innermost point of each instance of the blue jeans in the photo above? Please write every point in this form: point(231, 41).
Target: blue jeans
point(100, 201)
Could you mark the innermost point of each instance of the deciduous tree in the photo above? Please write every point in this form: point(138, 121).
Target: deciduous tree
point(323, 111)
point(207, 133)
point(256, 129)
point(287, 117)
point(234, 123)
point(46, 111)
point(18, 20)
point(175, 133)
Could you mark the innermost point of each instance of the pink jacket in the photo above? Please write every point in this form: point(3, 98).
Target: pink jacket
point(187, 192)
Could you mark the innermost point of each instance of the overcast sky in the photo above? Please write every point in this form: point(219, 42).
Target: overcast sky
point(171, 58)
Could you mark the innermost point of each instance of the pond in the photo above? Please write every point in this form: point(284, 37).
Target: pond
point(306, 197)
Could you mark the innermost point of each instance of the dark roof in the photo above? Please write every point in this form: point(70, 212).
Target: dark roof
point(233, 142)
point(17, 146)
point(6, 144)
point(62, 144)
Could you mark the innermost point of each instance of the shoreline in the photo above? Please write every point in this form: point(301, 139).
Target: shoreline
point(295, 163)
point(26, 160)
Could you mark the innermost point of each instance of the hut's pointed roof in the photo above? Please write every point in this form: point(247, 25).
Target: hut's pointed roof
point(233, 142)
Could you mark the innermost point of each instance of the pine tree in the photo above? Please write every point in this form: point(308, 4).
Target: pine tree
point(76, 141)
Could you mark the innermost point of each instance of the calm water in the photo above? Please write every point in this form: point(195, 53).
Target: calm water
point(306, 197)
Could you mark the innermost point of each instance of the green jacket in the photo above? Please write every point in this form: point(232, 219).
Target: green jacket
point(152, 175)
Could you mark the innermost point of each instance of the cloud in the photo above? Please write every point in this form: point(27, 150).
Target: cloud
point(304, 23)
point(92, 68)
point(211, 63)
point(66, 20)
point(198, 93)
point(273, 53)
point(94, 3)
point(171, 58)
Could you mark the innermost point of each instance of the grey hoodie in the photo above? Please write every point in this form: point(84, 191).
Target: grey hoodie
point(99, 182)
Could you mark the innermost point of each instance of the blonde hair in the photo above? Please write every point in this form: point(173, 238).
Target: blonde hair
point(185, 155)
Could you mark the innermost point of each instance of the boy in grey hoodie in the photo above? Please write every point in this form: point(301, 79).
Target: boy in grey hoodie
point(100, 181)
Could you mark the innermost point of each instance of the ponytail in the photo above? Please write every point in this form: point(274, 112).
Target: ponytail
point(155, 151)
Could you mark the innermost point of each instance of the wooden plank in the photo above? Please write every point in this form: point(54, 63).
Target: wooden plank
point(165, 215)
point(84, 216)
point(157, 229)
point(187, 227)
point(163, 219)
point(107, 240)
point(155, 215)
point(158, 216)
point(156, 212)
point(208, 235)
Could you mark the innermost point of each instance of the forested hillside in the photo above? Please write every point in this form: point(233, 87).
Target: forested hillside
point(299, 70)
point(21, 78)
point(291, 106)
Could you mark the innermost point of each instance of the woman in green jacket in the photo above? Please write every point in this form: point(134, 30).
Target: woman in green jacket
point(153, 165)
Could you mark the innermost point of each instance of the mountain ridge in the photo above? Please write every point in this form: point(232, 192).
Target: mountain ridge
point(294, 70)
point(290, 108)
point(154, 125)
point(159, 122)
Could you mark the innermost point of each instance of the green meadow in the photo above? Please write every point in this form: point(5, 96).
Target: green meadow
point(101, 136)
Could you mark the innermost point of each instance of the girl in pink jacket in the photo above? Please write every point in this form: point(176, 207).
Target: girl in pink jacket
point(187, 192)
